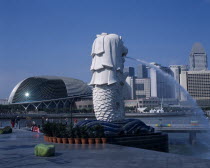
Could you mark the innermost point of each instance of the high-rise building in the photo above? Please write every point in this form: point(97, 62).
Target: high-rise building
point(129, 90)
point(129, 87)
point(129, 71)
point(198, 58)
point(176, 70)
point(135, 88)
point(143, 89)
point(161, 86)
point(197, 83)
point(141, 71)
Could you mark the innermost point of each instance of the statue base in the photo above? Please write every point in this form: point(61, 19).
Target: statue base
point(154, 141)
point(123, 127)
point(132, 133)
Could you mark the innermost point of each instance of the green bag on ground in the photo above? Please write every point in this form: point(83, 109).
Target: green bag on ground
point(44, 150)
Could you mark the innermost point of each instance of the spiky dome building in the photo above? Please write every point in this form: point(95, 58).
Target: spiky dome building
point(49, 91)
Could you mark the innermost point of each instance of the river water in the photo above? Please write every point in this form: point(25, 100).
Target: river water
point(178, 142)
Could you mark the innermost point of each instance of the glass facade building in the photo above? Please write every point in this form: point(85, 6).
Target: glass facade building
point(129, 71)
point(141, 71)
point(176, 70)
point(161, 87)
point(43, 88)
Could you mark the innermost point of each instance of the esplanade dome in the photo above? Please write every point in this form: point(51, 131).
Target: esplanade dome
point(41, 88)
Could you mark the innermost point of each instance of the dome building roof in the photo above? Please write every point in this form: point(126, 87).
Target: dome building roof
point(197, 48)
point(40, 88)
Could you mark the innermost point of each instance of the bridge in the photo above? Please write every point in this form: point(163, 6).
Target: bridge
point(182, 128)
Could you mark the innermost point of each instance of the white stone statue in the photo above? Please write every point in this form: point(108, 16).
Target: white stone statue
point(108, 54)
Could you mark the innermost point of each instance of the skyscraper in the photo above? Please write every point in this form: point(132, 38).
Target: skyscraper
point(198, 58)
point(161, 87)
point(141, 71)
point(129, 87)
point(176, 70)
point(129, 71)
point(197, 83)
point(143, 88)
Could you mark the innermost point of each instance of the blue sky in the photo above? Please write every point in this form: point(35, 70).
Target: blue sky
point(54, 37)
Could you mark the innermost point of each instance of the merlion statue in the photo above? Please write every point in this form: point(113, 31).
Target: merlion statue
point(108, 54)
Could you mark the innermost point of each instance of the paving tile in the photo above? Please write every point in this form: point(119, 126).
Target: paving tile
point(16, 150)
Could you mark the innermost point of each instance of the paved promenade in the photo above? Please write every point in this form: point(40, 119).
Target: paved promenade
point(16, 150)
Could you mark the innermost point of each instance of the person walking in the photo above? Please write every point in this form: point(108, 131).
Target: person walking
point(33, 125)
point(17, 121)
point(13, 122)
point(66, 121)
